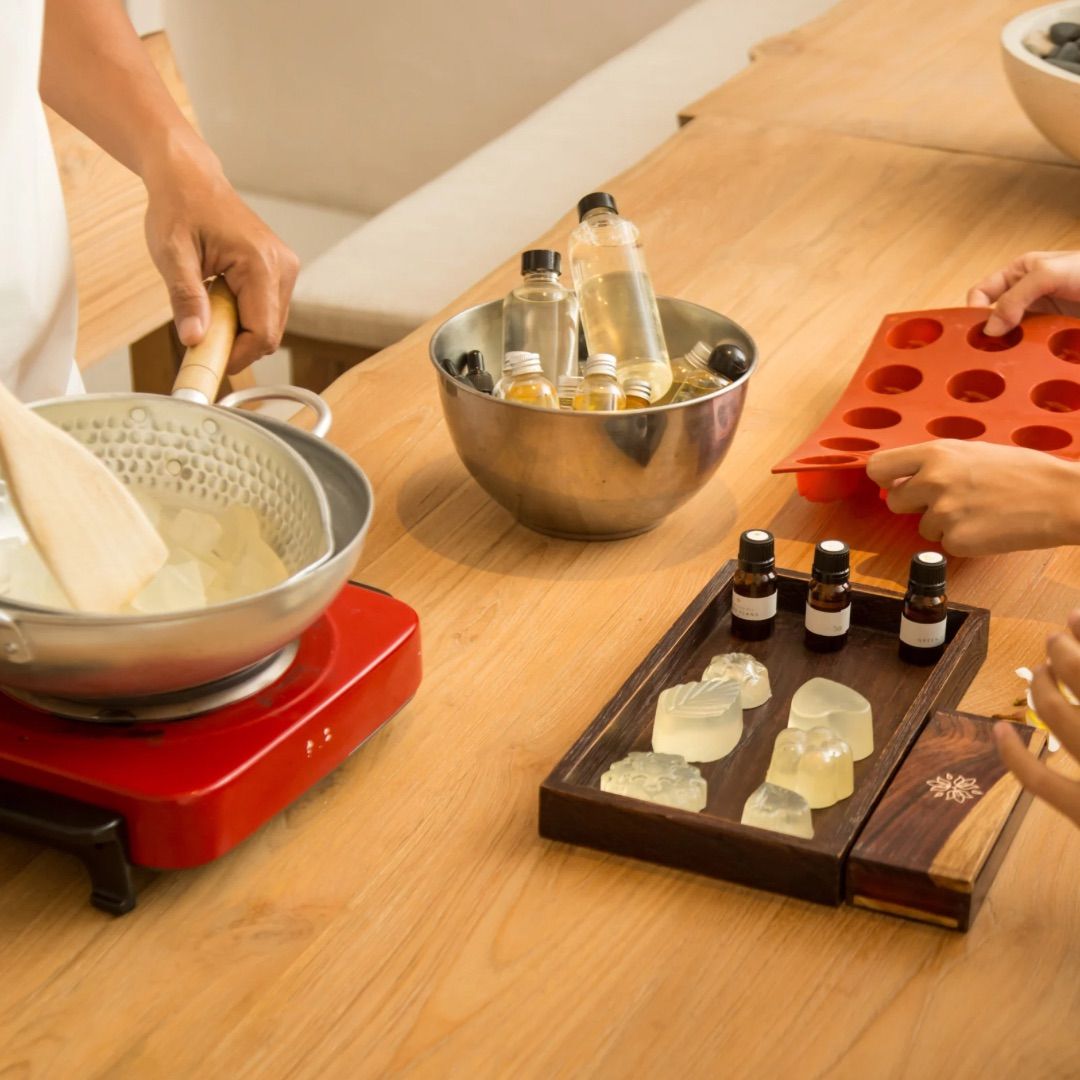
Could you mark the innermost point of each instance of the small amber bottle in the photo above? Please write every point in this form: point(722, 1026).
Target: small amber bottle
point(476, 374)
point(753, 592)
point(926, 609)
point(638, 394)
point(828, 602)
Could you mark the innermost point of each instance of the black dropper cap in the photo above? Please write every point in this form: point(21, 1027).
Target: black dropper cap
point(541, 259)
point(594, 201)
point(476, 375)
point(757, 550)
point(832, 562)
point(729, 360)
point(927, 575)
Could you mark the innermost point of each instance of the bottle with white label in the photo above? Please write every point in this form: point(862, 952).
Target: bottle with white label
point(828, 602)
point(926, 608)
point(753, 590)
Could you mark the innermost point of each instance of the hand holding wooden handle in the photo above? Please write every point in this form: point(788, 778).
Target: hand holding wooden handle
point(204, 364)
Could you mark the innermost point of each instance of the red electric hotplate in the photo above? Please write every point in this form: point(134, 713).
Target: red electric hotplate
point(153, 785)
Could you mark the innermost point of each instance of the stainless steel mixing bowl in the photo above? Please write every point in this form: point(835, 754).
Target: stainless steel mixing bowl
point(589, 476)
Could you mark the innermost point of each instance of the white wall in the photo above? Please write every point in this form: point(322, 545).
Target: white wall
point(353, 103)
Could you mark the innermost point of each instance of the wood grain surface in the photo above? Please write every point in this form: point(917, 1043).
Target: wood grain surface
point(921, 72)
point(406, 919)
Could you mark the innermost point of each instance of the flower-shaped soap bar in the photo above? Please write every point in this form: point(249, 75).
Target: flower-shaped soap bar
point(701, 721)
point(749, 673)
point(658, 778)
point(824, 703)
point(815, 763)
point(779, 810)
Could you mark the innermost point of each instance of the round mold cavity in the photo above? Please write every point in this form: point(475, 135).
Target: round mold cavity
point(1041, 437)
point(829, 459)
point(872, 417)
point(915, 334)
point(1058, 395)
point(894, 379)
point(956, 427)
point(976, 385)
point(1065, 345)
point(978, 339)
point(849, 443)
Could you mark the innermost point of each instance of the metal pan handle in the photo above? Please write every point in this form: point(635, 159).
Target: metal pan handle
point(297, 394)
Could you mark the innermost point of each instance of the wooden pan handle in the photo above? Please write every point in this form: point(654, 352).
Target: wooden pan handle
point(204, 364)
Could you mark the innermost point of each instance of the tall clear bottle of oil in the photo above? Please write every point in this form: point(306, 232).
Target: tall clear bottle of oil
point(618, 306)
point(540, 315)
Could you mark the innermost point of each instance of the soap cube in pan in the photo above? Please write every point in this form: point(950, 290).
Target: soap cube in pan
point(700, 721)
point(779, 810)
point(665, 779)
point(816, 763)
point(749, 672)
point(824, 703)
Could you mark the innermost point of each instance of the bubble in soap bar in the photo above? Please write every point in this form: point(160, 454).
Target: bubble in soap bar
point(701, 721)
point(816, 763)
point(779, 810)
point(824, 703)
point(751, 675)
point(665, 779)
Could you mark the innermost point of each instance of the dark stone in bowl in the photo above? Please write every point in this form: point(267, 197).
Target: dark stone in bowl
point(1064, 31)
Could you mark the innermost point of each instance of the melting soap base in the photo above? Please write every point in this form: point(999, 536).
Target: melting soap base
point(751, 675)
point(817, 764)
point(665, 779)
point(779, 810)
point(699, 721)
point(824, 703)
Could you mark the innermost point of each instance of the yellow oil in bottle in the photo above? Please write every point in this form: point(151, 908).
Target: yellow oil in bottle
point(599, 390)
point(523, 382)
point(637, 394)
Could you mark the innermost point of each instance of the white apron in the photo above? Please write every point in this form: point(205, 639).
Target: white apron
point(37, 282)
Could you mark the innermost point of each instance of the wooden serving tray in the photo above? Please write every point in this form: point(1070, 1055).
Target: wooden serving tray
point(714, 842)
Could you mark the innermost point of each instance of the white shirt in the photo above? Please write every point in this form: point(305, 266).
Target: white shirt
point(37, 281)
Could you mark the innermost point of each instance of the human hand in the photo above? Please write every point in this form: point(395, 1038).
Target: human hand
point(1059, 715)
point(1037, 281)
point(980, 498)
point(196, 227)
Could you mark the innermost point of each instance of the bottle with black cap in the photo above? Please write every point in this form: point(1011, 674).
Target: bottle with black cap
point(476, 374)
point(540, 315)
point(926, 609)
point(753, 590)
point(828, 602)
point(618, 305)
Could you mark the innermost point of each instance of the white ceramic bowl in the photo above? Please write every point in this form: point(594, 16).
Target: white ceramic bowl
point(1049, 95)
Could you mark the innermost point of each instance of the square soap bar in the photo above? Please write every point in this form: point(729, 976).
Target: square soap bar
point(935, 841)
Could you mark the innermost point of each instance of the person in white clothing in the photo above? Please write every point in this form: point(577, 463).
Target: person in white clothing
point(84, 59)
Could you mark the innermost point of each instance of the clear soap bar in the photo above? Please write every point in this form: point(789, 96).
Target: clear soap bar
point(824, 703)
point(700, 721)
point(816, 763)
point(665, 779)
point(750, 673)
point(779, 810)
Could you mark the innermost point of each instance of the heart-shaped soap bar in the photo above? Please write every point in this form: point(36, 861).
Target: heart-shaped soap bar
point(824, 703)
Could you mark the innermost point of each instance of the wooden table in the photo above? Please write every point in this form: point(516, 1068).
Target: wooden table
point(921, 72)
point(406, 918)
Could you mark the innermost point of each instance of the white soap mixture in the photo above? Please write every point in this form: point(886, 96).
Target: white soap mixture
point(213, 558)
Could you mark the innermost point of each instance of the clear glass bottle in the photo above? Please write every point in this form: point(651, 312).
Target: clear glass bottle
point(523, 381)
point(567, 387)
point(692, 376)
point(599, 390)
point(618, 306)
point(637, 394)
point(540, 315)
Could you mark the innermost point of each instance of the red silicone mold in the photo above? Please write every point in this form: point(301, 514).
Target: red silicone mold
point(935, 374)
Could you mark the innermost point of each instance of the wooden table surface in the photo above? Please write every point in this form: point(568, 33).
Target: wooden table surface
point(923, 72)
point(405, 917)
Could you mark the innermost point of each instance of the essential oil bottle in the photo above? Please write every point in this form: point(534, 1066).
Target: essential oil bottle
point(828, 602)
point(926, 607)
point(476, 374)
point(540, 315)
point(638, 394)
point(599, 390)
point(753, 593)
point(568, 387)
point(523, 381)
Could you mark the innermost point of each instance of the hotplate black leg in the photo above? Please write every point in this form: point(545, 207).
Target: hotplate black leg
point(94, 835)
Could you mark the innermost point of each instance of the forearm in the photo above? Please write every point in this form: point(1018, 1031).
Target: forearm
point(96, 73)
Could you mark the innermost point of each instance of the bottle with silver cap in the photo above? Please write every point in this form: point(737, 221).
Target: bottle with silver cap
point(637, 393)
point(924, 621)
point(523, 382)
point(599, 390)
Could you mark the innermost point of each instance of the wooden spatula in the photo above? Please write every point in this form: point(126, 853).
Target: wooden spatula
point(86, 525)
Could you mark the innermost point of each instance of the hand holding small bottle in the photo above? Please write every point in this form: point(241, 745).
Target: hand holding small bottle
point(1059, 715)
